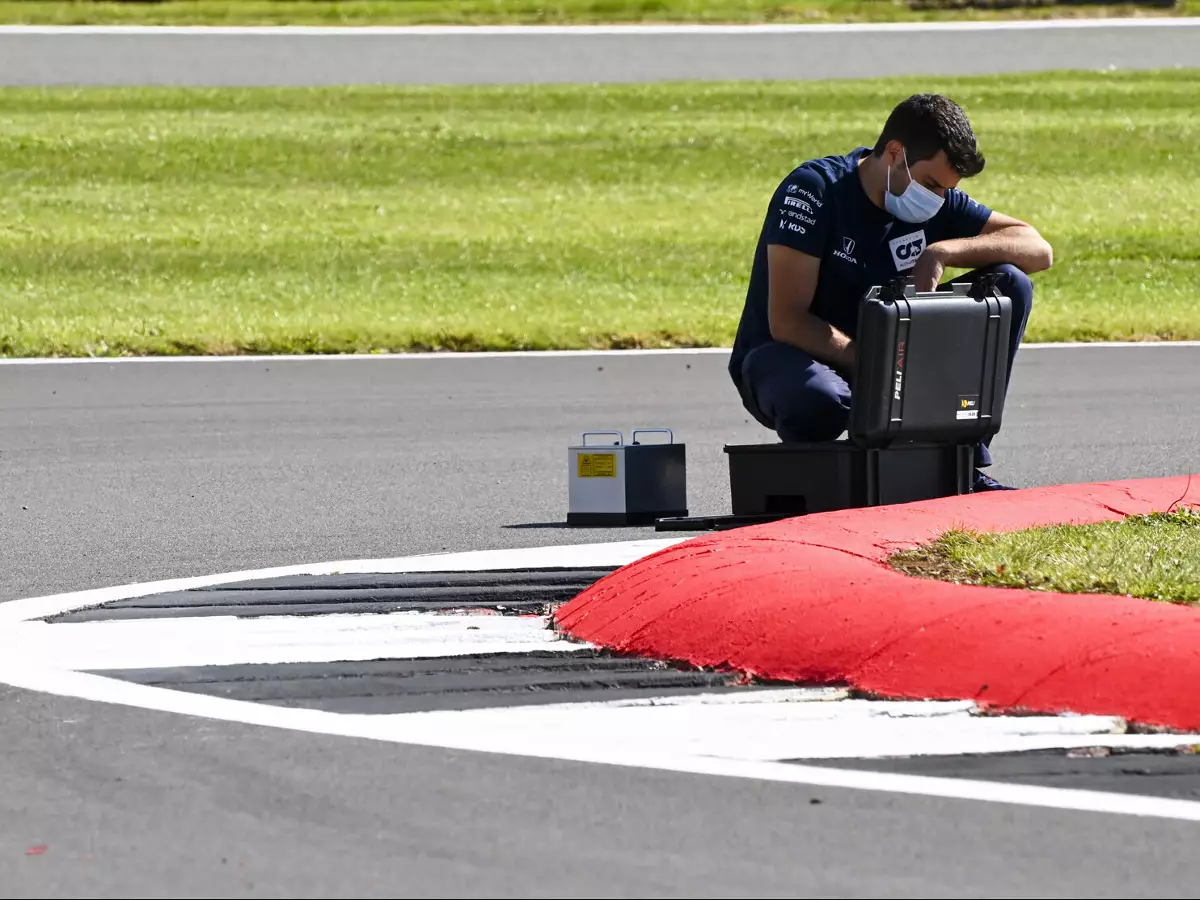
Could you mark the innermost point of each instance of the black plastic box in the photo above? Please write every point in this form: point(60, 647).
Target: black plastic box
point(803, 478)
point(931, 365)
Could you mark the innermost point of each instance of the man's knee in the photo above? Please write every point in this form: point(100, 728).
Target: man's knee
point(814, 416)
point(802, 399)
point(1018, 287)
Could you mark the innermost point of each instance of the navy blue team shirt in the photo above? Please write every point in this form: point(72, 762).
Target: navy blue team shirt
point(821, 209)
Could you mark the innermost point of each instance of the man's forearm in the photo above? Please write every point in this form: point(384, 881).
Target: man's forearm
point(817, 338)
point(1020, 245)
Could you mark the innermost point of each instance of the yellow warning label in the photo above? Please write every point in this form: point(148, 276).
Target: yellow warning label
point(597, 465)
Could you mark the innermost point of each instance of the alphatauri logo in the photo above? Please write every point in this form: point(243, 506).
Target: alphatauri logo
point(907, 249)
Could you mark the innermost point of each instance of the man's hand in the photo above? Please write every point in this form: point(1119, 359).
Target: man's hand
point(792, 282)
point(1002, 240)
point(927, 273)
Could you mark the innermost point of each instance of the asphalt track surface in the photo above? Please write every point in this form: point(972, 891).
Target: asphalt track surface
point(114, 473)
point(142, 470)
point(314, 57)
point(138, 471)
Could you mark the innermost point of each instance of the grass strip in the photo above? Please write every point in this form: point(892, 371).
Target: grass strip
point(554, 12)
point(159, 221)
point(1153, 557)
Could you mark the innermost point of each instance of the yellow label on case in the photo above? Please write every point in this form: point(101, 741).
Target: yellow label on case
point(597, 465)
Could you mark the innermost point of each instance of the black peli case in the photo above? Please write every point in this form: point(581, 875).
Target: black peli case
point(930, 365)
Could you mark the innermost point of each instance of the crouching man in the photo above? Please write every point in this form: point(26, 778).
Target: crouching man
point(838, 225)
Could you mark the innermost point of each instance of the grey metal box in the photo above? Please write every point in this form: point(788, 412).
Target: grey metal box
point(626, 484)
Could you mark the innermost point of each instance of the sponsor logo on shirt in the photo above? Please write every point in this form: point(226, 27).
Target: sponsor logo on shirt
point(847, 251)
point(907, 249)
point(813, 200)
point(798, 203)
point(799, 216)
point(785, 225)
point(794, 189)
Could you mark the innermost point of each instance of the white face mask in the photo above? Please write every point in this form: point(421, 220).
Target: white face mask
point(917, 204)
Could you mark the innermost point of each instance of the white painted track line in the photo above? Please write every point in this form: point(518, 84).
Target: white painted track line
point(1065, 24)
point(228, 640)
point(740, 735)
point(763, 732)
point(508, 354)
point(576, 556)
point(343, 357)
point(427, 730)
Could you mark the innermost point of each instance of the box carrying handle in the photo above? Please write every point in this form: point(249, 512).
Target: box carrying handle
point(620, 437)
point(986, 285)
point(897, 289)
point(666, 431)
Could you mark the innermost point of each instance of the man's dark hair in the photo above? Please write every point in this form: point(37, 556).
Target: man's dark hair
point(927, 123)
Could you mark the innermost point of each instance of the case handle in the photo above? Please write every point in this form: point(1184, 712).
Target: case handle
point(898, 288)
point(620, 442)
point(666, 431)
point(985, 286)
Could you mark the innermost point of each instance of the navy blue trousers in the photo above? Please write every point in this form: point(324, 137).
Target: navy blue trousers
point(802, 399)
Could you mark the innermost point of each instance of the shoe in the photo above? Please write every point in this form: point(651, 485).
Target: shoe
point(984, 482)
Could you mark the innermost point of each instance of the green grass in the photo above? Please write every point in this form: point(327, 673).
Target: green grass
point(479, 12)
point(1154, 557)
point(169, 221)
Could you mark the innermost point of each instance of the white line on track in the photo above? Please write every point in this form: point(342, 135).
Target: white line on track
point(228, 640)
point(342, 357)
point(1067, 24)
point(574, 556)
point(508, 354)
point(739, 736)
point(431, 730)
